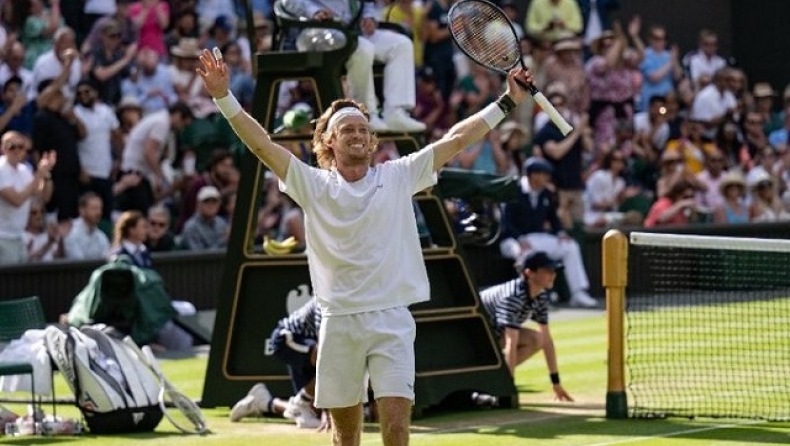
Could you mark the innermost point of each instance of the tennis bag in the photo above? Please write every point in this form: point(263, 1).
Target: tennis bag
point(115, 391)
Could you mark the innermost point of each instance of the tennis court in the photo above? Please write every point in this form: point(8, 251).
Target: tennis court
point(580, 337)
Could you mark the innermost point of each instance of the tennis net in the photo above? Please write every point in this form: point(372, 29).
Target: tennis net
point(707, 327)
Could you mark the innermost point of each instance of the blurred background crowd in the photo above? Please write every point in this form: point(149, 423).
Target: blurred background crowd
point(109, 140)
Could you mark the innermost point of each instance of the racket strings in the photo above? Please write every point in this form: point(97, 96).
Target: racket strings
point(185, 414)
point(485, 34)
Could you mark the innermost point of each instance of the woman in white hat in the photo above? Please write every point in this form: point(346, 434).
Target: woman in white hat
point(733, 191)
point(766, 204)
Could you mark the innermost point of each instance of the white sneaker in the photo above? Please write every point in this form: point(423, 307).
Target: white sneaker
point(254, 404)
point(376, 124)
point(398, 120)
point(302, 413)
point(584, 300)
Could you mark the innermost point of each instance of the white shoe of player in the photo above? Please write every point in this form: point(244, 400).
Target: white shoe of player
point(254, 404)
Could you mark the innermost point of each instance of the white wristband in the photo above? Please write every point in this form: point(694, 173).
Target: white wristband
point(228, 105)
point(492, 115)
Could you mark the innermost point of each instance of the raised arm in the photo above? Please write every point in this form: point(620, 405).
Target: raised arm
point(475, 127)
point(216, 79)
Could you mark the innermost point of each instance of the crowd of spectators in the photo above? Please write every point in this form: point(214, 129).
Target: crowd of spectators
point(98, 95)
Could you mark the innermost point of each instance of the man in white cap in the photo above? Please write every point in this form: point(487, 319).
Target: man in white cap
point(363, 248)
point(206, 229)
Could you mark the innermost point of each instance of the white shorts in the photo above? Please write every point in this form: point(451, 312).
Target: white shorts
point(376, 345)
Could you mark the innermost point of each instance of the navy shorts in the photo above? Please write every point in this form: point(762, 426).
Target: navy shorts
point(295, 354)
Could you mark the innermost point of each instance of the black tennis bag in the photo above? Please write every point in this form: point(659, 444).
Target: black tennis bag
point(115, 391)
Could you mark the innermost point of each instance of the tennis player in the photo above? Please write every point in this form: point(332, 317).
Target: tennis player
point(512, 303)
point(363, 249)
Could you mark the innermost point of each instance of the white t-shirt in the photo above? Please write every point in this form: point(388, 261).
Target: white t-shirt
point(642, 126)
point(48, 66)
point(363, 249)
point(602, 186)
point(13, 220)
point(95, 150)
point(154, 126)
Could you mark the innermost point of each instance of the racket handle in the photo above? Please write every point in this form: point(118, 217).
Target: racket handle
point(546, 106)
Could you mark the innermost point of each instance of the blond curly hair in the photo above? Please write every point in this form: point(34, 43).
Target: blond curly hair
point(324, 154)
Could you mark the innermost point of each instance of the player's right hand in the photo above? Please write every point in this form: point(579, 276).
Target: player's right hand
point(215, 74)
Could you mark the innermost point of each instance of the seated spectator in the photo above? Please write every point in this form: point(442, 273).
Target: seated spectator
point(732, 209)
point(605, 192)
point(160, 237)
point(85, 241)
point(41, 238)
point(186, 82)
point(18, 184)
point(12, 66)
point(130, 233)
point(766, 205)
point(61, 57)
point(206, 229)
point(709, 197)
point(513, 136)
point(672, 170)
point(220, 173)
point(674, 208)
point(552, 18)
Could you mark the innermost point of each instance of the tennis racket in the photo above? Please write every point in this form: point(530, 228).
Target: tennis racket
point(485, 34)
point(188, 418)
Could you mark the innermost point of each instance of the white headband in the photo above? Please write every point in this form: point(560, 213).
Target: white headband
point(343, 113)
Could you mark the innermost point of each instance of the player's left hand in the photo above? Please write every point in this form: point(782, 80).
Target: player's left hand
point(560, 394)
point(514, 90)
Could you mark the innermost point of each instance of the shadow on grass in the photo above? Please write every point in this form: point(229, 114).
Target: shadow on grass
point(77, 439)
point(557, 422)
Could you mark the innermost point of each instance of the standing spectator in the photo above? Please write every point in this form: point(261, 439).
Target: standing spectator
point(704, 62)
point(552, 18)
point(121, 20)
point(41, 238)
point(185, 80)
point(160, 237)
point(18, 184)
point(660, 67)
point(565, 65)
point(62, 57)
point(152, 18)
point(220, 173)
point(111, 62)
point(566, 155)
point(439, 47)
point(94, 10)
point(612, 87)
point(206, 229)
point(85, 241)
point(39, 29)
point(145, 149)
point(509, 305)
point(16, 110)
point(715, 104)
point(733, 208)
point(95, 149)
point(524, 223)
point(150, 83)
point(596, 16)
point(390, 47)
point(56, 127)
point(12, 66)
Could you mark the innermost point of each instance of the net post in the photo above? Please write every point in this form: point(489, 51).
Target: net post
point(615, 279)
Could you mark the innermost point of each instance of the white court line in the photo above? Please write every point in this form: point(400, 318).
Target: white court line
point(678, 433)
